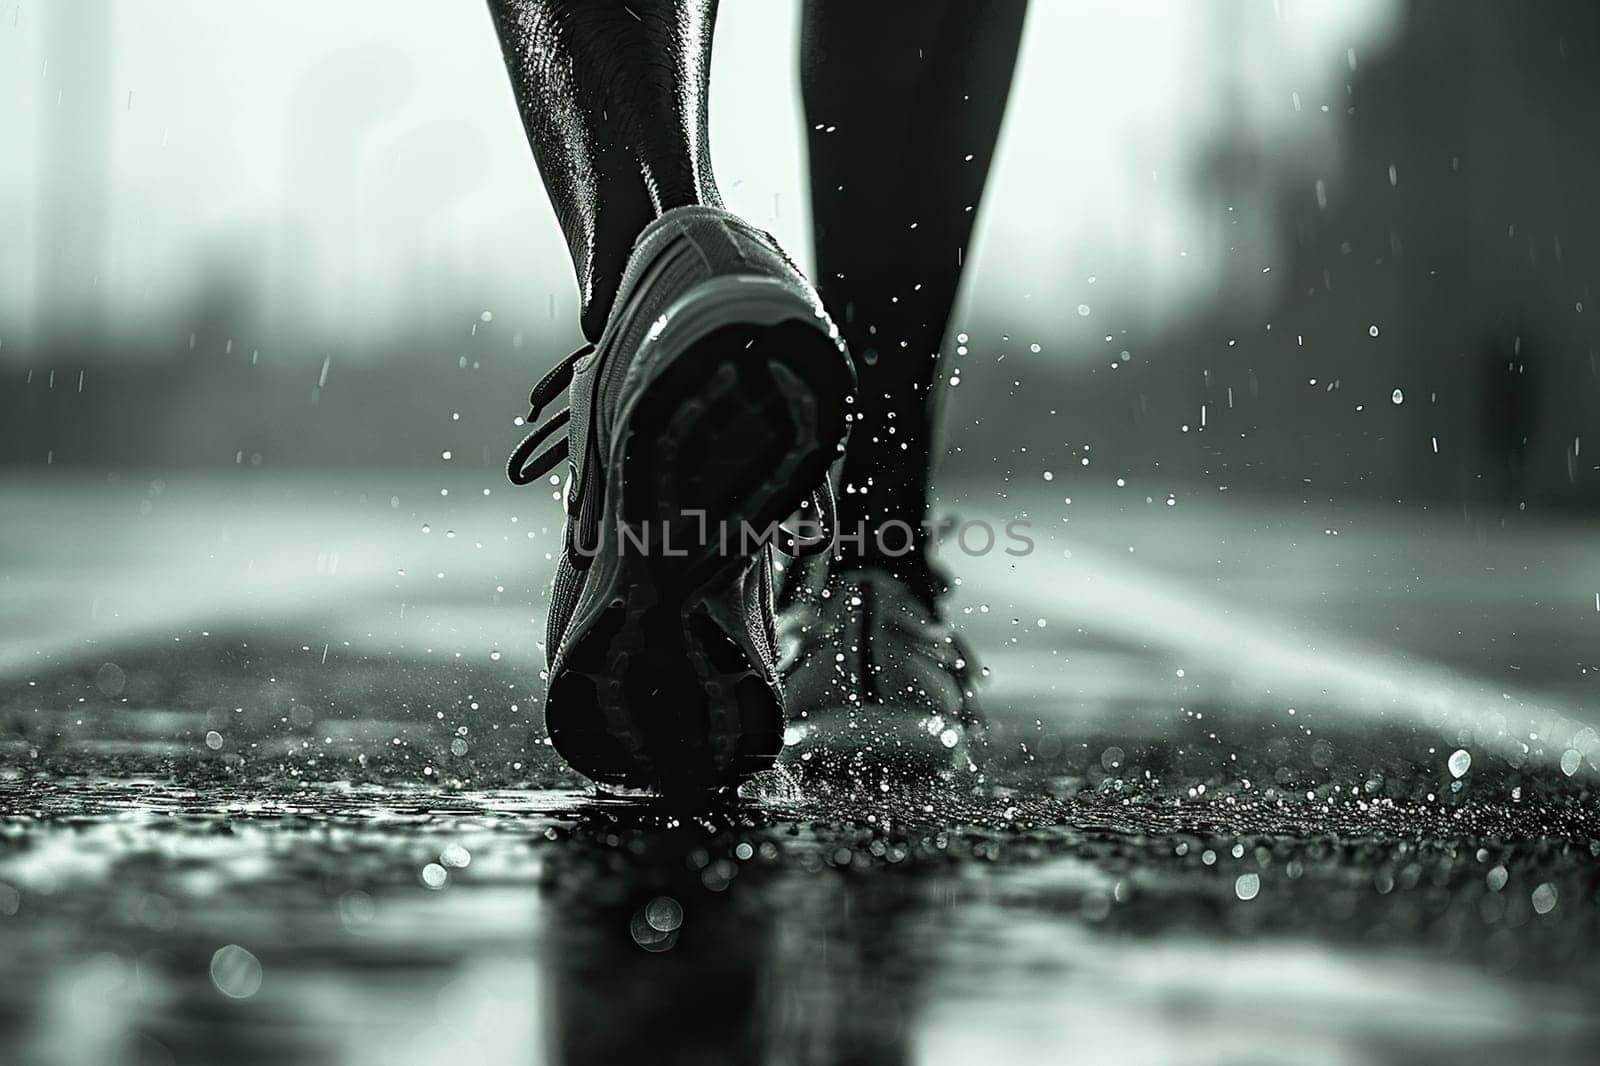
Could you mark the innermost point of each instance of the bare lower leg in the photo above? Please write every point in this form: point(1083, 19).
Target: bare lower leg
point(613, 98)
point(903, 105)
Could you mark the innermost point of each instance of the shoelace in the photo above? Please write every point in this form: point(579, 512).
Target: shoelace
point(792, 544)
point(524, 467)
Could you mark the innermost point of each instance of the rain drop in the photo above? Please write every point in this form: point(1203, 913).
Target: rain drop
point(663, 914)
point(236, 972)
point(1544, 898)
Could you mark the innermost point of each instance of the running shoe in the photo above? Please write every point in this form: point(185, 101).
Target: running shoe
point(880, 688)
point(706, 414)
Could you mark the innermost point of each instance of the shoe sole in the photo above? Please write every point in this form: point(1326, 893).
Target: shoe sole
point(661, 684)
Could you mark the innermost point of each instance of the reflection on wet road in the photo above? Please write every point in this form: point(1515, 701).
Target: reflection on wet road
point(377, 925)
point(264, 798)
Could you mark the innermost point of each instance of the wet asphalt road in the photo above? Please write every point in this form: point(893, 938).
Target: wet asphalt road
point(272, 789)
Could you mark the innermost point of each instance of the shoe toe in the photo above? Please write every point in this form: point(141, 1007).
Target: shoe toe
point(878, 688)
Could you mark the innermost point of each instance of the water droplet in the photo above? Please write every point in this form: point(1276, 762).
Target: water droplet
point(1571, 759)
point(1544, 898)
point(1397, 396)
point(213, 740)
point(1460, 762)
point(434, 875)
point(1496, 878)
point(648, 936)
point(110, 679)
point(356, 909)
point(235, 972)
point(663, 914)
point(1083, 310)
point(1247, 886)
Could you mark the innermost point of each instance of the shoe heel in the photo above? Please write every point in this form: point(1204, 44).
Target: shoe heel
point(732, 439)
point(670, 681)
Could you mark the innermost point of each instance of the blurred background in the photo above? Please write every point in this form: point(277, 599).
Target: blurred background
point(1279, 329)
point(1342, 250)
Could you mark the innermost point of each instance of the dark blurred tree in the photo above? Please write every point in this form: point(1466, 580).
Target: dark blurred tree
point(1466, 204)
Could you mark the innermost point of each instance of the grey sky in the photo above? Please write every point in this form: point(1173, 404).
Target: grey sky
point(354, 159)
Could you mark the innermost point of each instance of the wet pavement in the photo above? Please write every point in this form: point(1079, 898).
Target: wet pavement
point(1265, 785)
